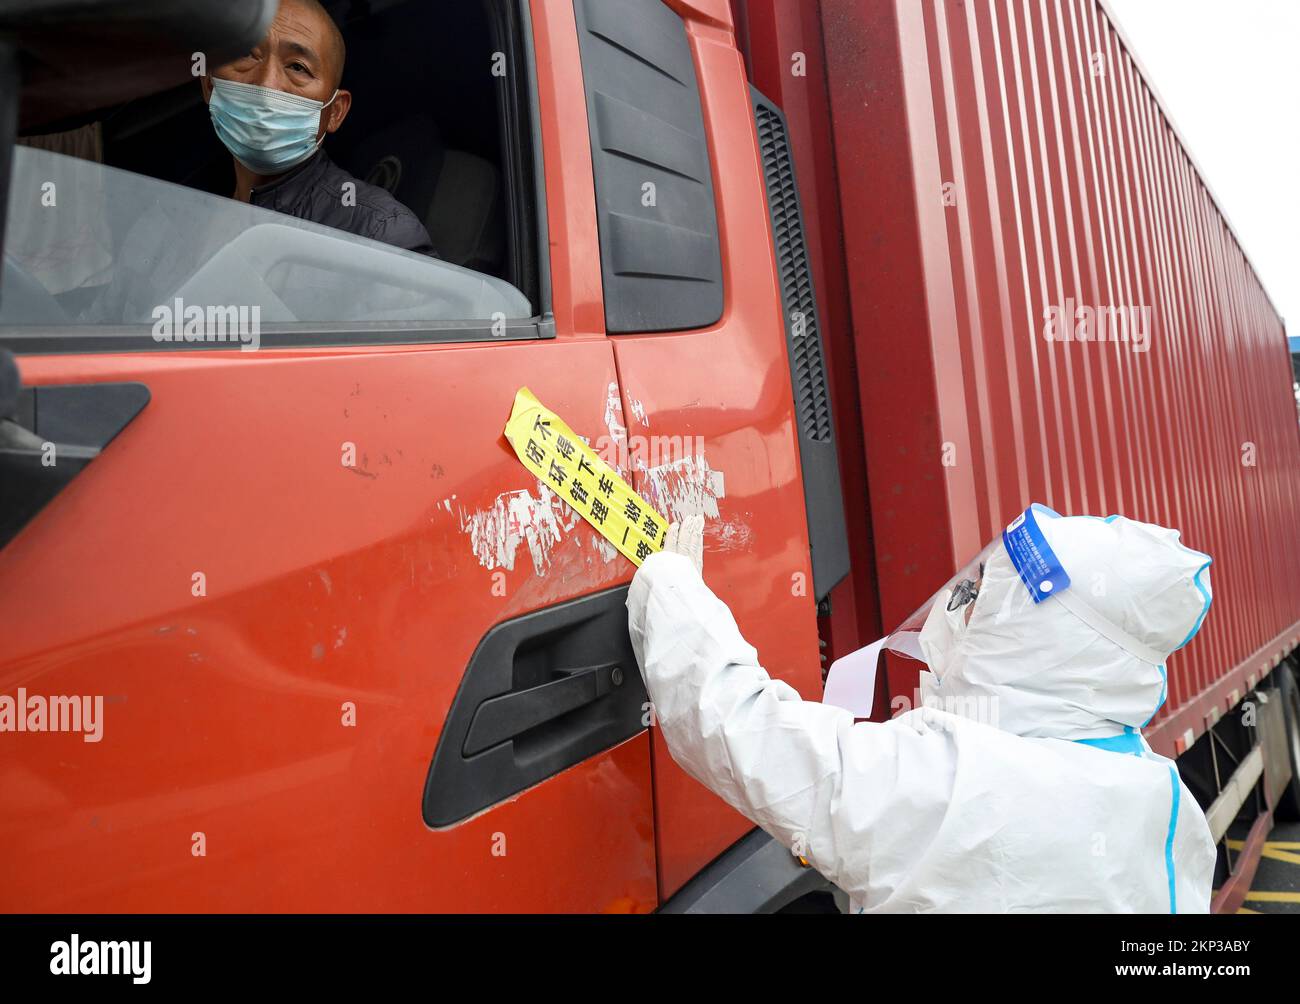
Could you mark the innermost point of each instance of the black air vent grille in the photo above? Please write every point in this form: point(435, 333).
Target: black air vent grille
point(813, 413)
point(810, 391)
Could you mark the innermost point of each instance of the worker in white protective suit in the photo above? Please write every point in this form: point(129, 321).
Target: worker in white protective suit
point(1023, 782)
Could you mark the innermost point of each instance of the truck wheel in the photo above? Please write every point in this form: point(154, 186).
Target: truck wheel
point(1288, 806)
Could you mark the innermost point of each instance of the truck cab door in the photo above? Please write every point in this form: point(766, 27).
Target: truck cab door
point(718, 353)
point(337, 650)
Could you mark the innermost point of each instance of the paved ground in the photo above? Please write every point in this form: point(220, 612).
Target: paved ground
point(1277, 882)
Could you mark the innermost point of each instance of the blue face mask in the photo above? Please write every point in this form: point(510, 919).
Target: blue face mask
point(266, 130)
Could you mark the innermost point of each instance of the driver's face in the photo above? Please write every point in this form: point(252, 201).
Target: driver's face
point(296, 56)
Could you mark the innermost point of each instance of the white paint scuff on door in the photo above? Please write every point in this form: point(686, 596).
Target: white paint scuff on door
point(540, 520)
point(685, 487)
point(537, 521)
point(515, 518)
point(615, 451)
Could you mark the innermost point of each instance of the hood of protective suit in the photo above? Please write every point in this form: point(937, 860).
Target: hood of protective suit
point(1086, 663)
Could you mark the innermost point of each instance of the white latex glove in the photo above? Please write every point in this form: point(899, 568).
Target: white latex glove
point(687, 538)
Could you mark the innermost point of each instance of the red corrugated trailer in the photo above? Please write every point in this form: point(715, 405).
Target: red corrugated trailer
point(970, 172)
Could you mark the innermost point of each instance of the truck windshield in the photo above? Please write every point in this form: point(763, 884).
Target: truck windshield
point(89, 245)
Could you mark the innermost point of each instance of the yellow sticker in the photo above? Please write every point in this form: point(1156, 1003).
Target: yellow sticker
point(572, 469)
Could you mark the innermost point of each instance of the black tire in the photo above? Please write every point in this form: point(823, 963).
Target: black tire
point(1288, 806)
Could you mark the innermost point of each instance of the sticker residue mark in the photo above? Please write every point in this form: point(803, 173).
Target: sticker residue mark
point(614, 452)
point(685, 487)
point(516, 518)
point(607, 551)
point(732, 536)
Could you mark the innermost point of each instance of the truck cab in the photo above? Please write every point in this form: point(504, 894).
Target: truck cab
point(258, 510)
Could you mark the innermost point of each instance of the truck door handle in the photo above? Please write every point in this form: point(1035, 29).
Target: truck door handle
point(500, 718)
point(540, 693)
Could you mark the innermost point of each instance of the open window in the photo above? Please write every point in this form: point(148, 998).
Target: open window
point(120, 224)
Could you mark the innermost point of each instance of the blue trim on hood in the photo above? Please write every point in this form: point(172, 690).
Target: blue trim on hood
point(1208, 599)
point(1129, 743)
point(1164, 694)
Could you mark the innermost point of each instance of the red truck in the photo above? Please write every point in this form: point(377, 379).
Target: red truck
point(287, 627)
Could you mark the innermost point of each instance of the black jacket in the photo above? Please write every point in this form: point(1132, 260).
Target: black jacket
point(315, 191)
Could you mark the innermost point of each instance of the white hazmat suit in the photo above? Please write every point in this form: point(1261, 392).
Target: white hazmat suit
point(1060, 806)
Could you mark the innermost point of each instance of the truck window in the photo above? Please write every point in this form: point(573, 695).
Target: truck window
point(132, 239)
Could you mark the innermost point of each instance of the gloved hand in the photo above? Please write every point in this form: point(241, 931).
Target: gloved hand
point(687, 538)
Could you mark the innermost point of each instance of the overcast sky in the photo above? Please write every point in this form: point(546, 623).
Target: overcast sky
point(1229, 74)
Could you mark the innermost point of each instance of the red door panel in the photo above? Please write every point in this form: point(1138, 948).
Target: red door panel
point(327, 587)
point(729, 386)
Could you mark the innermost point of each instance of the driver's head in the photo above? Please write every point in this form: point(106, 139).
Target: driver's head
point(273, 106)
point(303, 53)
